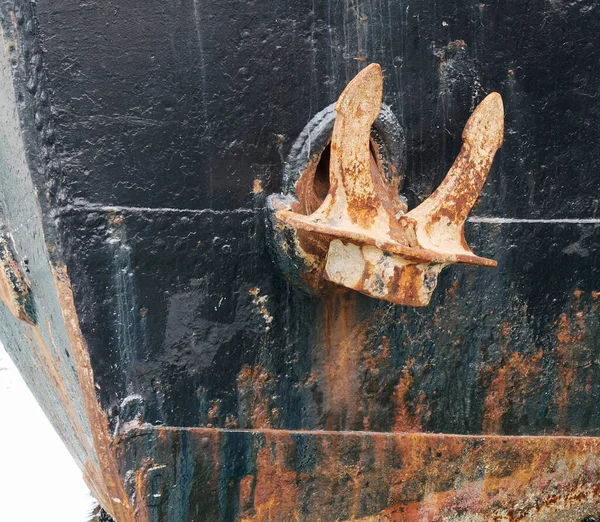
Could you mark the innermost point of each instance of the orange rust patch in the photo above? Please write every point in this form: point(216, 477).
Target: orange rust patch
point(406, 418)
point(257, 187)
point(246, 488)
point(213, 413)
point(372, 361)
point(573, 358)
point(275, 487)
point(563, 333)
point(506, 329)
point(255, 390)
point(453, 287)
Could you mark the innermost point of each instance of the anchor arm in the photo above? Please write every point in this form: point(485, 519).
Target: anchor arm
point(438, 222)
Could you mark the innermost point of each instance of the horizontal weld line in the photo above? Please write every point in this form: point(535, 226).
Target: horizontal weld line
point(501, 220)
point(377, 433)
point(92, 207)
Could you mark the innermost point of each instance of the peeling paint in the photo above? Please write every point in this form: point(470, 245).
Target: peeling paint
point(15, 291)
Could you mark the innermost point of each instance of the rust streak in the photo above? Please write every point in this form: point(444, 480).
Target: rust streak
point(407, 419)
point(109, 491)
point(343, 339)
point(573, 358)
point(515, 380)
point(410, 477)
point(275, 483)
point(255, 390)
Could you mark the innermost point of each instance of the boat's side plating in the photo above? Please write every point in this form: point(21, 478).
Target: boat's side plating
point(267, 475)
point(137, 153)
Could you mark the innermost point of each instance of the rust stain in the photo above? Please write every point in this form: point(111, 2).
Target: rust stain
point(256, 389)
point(275, 485)
point(141, 485)
point(407, 418)
point(246, 492)
point(564, 368)
point(369, 243)
point(15, 291)
point(213, 413)
point(376, 371)
point(144, 491)
point(515, 380)
point(453, 287)
point(257, 186)
point(410, 477)
point(574, 358)
point(343, 338)
point(109, 490)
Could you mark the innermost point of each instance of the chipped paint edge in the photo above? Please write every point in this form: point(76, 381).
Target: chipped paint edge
point(110, 491)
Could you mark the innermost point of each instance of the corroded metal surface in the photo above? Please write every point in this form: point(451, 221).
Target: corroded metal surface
point(278, 475)
point(14, 289)
point(300, 253)
point(100, 473)
point(374, 245)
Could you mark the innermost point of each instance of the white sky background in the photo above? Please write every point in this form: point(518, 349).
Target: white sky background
point(39, 481)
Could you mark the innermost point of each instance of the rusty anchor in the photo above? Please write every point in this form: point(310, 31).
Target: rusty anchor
point(362, 236)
